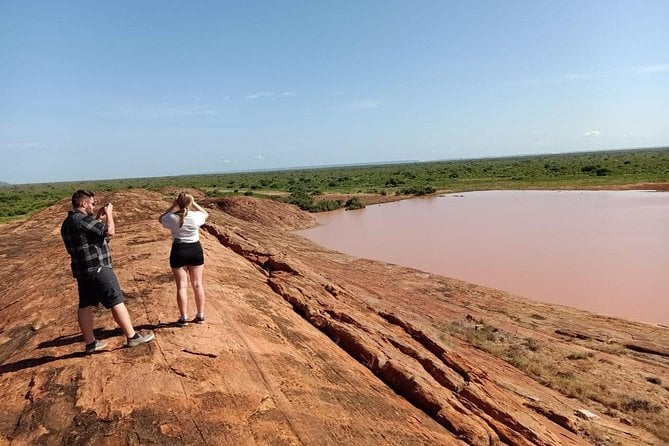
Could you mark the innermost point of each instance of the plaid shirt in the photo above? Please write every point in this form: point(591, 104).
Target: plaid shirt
point(85, 241)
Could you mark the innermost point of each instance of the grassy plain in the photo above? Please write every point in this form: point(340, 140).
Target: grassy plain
point(300, 186)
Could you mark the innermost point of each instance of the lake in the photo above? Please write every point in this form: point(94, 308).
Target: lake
point(602, 251)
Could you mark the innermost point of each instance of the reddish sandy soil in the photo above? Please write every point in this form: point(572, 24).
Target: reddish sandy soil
point(302, 345)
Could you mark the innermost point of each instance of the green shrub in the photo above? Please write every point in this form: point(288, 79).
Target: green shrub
point(418, 191)
point(325, 205)
point(301, 199)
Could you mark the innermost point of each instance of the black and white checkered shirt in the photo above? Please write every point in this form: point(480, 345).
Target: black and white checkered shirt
point(85, 241)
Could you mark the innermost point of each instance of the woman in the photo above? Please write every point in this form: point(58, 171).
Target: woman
point(184, 219)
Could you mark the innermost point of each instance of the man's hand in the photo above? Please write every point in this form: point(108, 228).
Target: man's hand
point(105, 211)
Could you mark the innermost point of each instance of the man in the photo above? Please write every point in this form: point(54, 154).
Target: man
point(85, 239)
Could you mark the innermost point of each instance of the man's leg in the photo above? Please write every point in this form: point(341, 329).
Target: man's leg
point(122, 318)
point(85, 317)
point(113, 299)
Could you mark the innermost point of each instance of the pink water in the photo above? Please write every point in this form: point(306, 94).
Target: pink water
point(602, 251)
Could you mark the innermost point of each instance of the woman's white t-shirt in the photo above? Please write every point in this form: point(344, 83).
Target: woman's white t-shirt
point(189, 232)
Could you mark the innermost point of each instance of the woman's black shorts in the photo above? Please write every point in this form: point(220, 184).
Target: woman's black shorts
point(186, 254)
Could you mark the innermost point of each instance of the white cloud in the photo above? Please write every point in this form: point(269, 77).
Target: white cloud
point(259, 157)
point(656, 68)
point(594, 75)
point(163, 110)
point(269, 95)
point(178, 110)
point(653, 68)
point(367, 103)
point(226, 161)
point(576, 77)
point(261, 94)
point(593, 133)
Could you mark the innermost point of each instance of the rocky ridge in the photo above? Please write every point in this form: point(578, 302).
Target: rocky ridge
point(303, 346)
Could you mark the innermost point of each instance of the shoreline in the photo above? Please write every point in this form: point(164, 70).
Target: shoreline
point(371, 199)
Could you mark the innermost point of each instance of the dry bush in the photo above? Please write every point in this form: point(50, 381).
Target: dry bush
point(612, 348)
point(598, 436)
point(580, 355)
point(545, 363)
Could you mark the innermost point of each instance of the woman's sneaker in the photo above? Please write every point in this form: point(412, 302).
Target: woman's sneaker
point(199, 319)
point(95, 346)
point(182, 321)
point(141, 338)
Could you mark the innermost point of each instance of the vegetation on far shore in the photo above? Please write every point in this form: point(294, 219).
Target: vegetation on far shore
point(304, 186)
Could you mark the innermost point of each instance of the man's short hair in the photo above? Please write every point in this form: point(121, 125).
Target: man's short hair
point(79, 196)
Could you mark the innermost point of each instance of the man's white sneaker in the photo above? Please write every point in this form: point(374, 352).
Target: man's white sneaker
point(141, 338)
point(95, 346)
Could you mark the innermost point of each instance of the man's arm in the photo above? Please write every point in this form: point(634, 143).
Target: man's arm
point(97, 226)
point(111, 228)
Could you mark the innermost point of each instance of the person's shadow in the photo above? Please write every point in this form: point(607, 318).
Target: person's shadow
point(100, 333)
point(35, 362)
point(71, 339)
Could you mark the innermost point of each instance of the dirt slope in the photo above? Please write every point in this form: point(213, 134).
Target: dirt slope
point(302, 346)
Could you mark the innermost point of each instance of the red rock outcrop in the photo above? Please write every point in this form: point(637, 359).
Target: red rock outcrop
point(302, 346)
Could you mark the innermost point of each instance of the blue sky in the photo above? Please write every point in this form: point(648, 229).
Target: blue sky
point(93, 89)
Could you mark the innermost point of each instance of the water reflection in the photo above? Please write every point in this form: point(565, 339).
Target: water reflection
point(602, 251)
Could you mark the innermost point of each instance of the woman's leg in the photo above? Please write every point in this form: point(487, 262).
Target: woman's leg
point(195, 273)
point(181, 279)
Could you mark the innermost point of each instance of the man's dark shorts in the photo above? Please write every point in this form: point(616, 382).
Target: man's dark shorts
point(186, 254)
point(100, 288)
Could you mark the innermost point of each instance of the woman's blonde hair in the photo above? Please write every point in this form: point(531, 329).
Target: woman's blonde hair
point(184, 201)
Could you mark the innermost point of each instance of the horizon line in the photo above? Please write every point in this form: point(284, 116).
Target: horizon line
point(327, 166)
